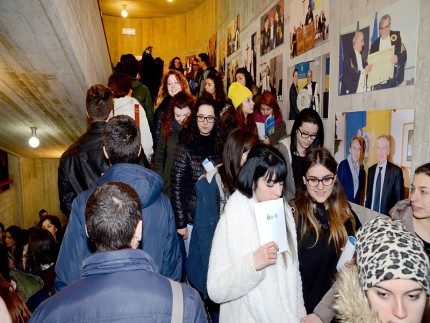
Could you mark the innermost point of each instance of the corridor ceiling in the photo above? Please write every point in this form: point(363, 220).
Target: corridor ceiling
point(148, 8)
point(51, 52)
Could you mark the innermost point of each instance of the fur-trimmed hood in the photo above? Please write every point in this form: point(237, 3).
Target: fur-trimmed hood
point(351, 303)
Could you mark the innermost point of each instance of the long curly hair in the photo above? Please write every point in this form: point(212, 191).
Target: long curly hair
point(163, 91)
point(338, 209)
point(181, 101)
point(190, 130)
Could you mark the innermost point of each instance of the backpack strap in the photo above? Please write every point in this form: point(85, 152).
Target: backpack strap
point(177, 301)
point(136, 114)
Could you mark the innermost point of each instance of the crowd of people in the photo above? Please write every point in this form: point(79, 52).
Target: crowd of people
point(160, 196)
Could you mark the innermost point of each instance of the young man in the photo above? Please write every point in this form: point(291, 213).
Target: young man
point(83, 162)
point(121, 145)
point(119, 283)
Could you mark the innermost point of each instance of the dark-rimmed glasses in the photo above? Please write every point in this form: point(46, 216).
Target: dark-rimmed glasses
point(202, 118)
point(314, 182)
point(306, 135)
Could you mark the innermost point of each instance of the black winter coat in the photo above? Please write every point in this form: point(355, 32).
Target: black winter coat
point(186, 169)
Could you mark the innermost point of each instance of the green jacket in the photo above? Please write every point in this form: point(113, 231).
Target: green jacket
point(141, 93)
point(163, 158)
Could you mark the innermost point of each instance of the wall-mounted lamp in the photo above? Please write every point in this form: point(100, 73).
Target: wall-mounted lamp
point(124, 12)
point(34, 141)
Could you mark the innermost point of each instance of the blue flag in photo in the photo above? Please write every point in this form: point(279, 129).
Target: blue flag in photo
point(375, 29)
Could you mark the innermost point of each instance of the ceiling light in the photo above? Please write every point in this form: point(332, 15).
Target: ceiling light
point(34, 141)
point(124, 12)
point(169, 0)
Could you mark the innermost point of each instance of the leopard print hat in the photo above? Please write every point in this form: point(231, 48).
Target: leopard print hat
point(386, 250)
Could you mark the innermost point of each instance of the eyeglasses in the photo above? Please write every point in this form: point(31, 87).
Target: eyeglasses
point(385, 27)
point(314, 182)
point(202, 118)
point(306, 135)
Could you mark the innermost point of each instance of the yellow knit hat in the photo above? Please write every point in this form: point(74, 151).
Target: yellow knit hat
point(237, 92)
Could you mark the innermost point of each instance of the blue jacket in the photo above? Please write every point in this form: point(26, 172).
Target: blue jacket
point(160, 239)
point(119, 286)
point(205, 221)
point(345, 178)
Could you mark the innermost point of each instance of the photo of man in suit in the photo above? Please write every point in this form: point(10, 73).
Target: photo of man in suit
point(355, 69)
point(294, 93)
point(351, 172)
point(388, 38)
point(313, 90)
point(385, 185)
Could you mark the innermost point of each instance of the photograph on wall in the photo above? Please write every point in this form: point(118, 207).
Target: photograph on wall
point(379, 51)
point(249, 54)
point(233, 36)
point(368, 139)
point(232, 66)
point(272, 32)
point(221, 57)
point(212, 50)
point(271, 76)
point(309, 25)
point(308, 86)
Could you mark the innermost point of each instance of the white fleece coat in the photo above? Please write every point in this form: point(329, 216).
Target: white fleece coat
point(125, 105)
point(273, 294)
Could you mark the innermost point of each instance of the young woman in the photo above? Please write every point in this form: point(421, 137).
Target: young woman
point(172, 83)
point(391, 280)
point(252, 282)
point(240, 113)
point(307, 133)
point(176, 64)
point(245, 78)
point(201, 140)
point(194, 75)
point(14, 245)
point(171, 122)
point(324, 221)
point(415, 212)
point(53, 224)
point(236, 150)
point(120, 84)
point(215, 87)
point(42, 255)
point(267, 105)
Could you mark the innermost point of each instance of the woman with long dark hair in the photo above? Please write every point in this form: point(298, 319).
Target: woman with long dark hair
point(199, 149)
point(236, 150)
point(215, 87)
point(307, 133)
point(13, 238)
point(324, 221)
point(172, 120)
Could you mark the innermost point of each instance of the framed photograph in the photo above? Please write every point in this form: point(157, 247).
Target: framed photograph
point(407, 144)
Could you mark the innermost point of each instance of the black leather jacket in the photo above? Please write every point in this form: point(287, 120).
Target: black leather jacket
point(81, 165)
